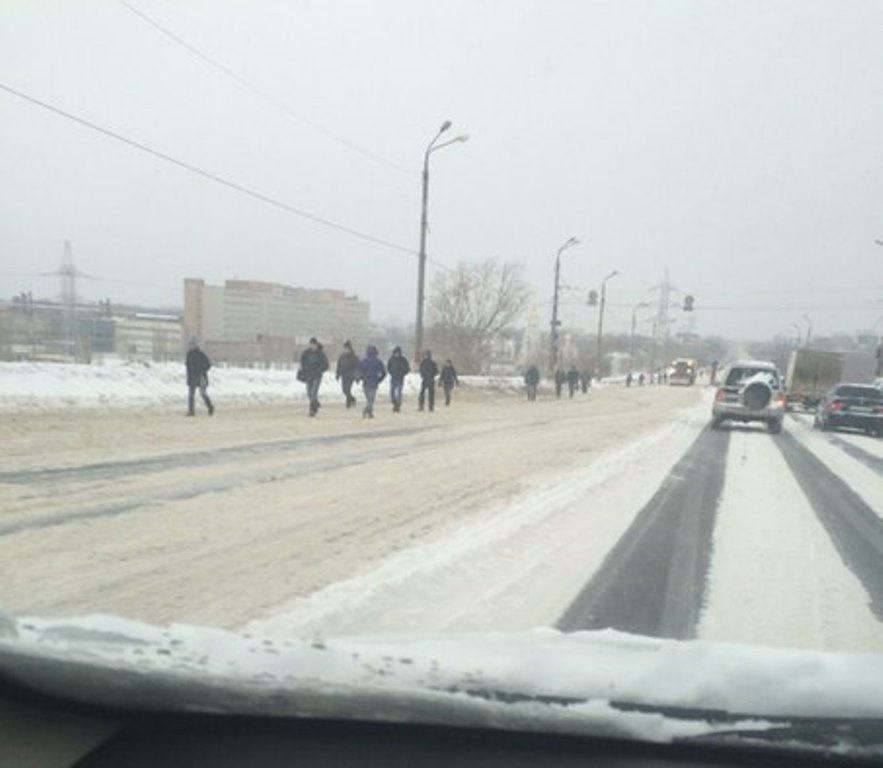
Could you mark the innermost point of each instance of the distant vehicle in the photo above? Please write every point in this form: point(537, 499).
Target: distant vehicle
point(811, 373)
point(852, 406)
point(752, 390)
point(683, 372)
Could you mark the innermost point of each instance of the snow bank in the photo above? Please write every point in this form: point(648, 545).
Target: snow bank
point(31, 386)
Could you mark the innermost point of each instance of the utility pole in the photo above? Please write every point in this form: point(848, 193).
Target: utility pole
point(600, 370)
point(553, 354)
point(424, 226)
point(68, 274)
point(663, 322)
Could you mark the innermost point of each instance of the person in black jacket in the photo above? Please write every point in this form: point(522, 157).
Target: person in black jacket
point(348, 365)
point(572, 380)
point(197, 376)
point(448, 379)
point(313, 363)
point(397, 367)
point(428, 372)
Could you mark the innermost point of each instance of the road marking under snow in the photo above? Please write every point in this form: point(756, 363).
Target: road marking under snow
point(776, 578)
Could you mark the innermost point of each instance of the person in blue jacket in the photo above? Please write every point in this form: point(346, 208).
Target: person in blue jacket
point(372, 372)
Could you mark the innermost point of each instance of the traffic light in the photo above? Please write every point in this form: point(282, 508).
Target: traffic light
point(688, 303)
point(593, 298)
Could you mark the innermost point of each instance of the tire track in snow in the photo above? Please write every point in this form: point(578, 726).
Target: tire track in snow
point(653, 581)
point(854, 527)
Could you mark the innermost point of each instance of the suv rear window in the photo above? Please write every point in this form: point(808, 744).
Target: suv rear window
point(869, 393)
point(737, 375)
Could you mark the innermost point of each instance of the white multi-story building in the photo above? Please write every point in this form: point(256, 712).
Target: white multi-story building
point(253, 321)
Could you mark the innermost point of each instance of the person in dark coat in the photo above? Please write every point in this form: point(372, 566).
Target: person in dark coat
point(428, 372)
point(532, 381)
point(628, 379)
point(572, 380)
point(397, 367)
point(313, 363)
point(559, 382)
point(348, 372)
point(198, 365)
point(372, 372)
point(584, 381)
point(448, 379)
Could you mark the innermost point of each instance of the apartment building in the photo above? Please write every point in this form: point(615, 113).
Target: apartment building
point(249, 321)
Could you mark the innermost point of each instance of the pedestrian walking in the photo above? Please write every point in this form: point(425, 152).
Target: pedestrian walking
point(572, 380)
point(313, 363)
point(532, 381)
point(641, 379)
point(628, 380)
point(428, 372)
point(372, 372)
point(559, 382)
point(348, 372)
point(397, 367)
point(448, 379)
point(198, 365)
point(584, 380)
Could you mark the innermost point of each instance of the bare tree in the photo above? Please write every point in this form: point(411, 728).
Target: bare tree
point(471, 306)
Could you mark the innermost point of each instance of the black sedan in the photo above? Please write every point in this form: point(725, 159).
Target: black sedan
point(853, 406)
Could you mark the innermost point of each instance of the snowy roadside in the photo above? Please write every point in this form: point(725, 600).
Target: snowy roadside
point(32, 387)
point(516, 565)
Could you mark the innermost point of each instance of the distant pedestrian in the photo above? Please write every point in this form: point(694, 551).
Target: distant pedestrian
point(428, 372)
point(532, 381)
point(448, 379)
point(348, 372)
point(313, 363)
point(372, 372)
point(584, 381)
point(628, 380)
point(198, 365)
point(572, 380)
point(641, 379)
point(397, 367)
point(559, 382)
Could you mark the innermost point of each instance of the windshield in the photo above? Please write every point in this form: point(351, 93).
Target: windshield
point(479, 319)
point(738, 376)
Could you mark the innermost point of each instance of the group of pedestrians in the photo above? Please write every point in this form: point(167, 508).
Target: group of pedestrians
point(573, 378)
point(371, 371)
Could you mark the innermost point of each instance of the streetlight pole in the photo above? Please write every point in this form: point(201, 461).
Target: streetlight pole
point(553, 355)
point(614, 273)
point(808, 328)
point(424, 226)
point(632, 337)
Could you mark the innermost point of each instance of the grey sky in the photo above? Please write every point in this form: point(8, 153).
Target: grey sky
point(737, 143)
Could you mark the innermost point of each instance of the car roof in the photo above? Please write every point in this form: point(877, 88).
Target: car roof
point(753, 364)
point(862, 385)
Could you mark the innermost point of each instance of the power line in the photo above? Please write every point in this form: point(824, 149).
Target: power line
point(261, 93)
point(211, 176)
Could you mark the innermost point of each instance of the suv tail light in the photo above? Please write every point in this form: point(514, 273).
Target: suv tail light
point(720, 395)
point(835, 406)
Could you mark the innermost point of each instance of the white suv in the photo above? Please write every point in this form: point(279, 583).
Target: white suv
point(752, 390)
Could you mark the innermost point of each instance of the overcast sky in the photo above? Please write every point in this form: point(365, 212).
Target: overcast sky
point(738, 144)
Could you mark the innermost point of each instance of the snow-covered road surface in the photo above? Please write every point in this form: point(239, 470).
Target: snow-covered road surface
point(618, 509)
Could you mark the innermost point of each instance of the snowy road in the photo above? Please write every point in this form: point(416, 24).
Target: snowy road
point(620, 509)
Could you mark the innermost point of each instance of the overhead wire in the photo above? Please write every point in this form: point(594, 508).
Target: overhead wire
point(262, 94)
point(211, 176)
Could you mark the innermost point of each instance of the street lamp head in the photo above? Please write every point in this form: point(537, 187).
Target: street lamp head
point(461, 137)
point(614, 273)
point(445, 125)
